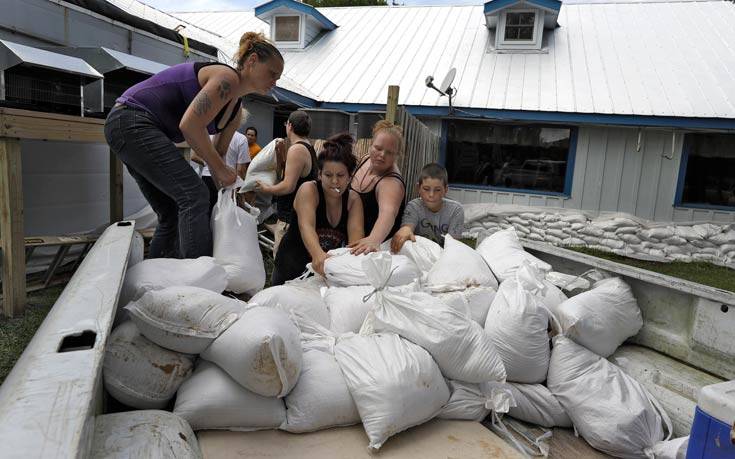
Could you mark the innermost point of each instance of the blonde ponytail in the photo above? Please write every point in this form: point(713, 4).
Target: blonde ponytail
point(255, 42)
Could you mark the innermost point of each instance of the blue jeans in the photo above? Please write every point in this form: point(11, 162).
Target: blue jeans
point(168, 182)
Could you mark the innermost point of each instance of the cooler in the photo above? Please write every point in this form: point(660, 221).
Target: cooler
point(713, 430)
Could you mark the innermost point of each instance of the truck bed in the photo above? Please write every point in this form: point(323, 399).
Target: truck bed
point(55, 391)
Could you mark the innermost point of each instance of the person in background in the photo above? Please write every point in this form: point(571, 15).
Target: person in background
point(252, 135)
point(431, 215)
point(188, 101)
point(237, 157)
point(381, 187)
point(327, 214)
point(299, 166)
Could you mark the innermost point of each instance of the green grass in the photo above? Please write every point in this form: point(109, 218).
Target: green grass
point(700, 272)
point(16, 333)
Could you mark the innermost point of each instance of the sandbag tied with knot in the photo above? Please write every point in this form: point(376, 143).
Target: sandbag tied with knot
point(458, 344)
point(517, 323)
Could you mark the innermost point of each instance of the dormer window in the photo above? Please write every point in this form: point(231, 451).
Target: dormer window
point(520, 29)
point(519, 26)
point(293, 24)
point(287, 28)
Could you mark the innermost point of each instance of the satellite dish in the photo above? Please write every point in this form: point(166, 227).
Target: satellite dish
point(447, 81)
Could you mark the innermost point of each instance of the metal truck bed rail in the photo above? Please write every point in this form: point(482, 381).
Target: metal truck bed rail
point(50, 398)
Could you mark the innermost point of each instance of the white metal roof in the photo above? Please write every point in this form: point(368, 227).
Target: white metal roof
point(660, 58)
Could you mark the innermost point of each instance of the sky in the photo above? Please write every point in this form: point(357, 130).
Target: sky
point(244, 5)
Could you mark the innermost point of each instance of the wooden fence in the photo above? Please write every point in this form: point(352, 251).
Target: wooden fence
point(422, 147)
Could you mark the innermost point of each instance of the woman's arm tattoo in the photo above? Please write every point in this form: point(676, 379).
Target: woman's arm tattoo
point(224, 89)
point(202, 103)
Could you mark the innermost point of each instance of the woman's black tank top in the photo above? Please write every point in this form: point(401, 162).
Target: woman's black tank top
point(284, 204)
point(370, 207)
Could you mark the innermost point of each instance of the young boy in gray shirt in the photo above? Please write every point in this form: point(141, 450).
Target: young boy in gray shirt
point(431, 215)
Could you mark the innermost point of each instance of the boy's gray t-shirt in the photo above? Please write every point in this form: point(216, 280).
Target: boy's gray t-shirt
point(434, 225)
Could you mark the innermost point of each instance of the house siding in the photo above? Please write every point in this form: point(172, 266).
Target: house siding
point(611, 176)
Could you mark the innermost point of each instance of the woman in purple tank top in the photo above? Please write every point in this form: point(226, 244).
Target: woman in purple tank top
point(187, 102)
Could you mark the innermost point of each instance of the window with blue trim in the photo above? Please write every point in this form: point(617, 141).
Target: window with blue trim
point(522, 157)
point(709, 170)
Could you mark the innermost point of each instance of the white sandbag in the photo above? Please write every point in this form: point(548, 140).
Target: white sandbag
point(687, 232)
point(522, 229)
point(530, 216)
point(537, 237)
point(556, 233)
point(707, 230)
point(347, 310)
point(613, 243)
point(184, 319)
point(343, 269)
point(602, 318)
point(628, 230)
point(458, 344)
point(629, 238)
point(536, 404)
point(475, 301)
point(138, 372)
point(301, 295)
point(557, 226)
point(262, 168)
point(723, 238)
point(235, 243)
point(671, 449)
point(424, 252)
point(517, 324)
point(150, 434)
point(211, 399)
point(702, 244)
point(504, 253)
point(611, 410)
point(321, 398)
point(566, 282)
point(551, 217)
point(473, 402)
point(578, 226)
point(660, 233)
point(261, 351)
point(394, 383)
point(159, 273)
point(459, 267)
point(573, 241)
point(593, 231)
point(574, 218)
point(675, 240)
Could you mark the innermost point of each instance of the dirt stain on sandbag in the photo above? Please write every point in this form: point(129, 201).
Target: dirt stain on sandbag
point(265, 367)
point(166, 368)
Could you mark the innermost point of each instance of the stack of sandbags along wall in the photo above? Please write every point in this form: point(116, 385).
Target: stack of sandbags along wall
point(389, 341)
point(619, 233)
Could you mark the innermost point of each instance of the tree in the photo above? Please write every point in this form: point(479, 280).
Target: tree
point(325, 3)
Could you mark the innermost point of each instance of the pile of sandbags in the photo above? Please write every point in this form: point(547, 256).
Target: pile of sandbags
point(390, 341)
point(619, 233)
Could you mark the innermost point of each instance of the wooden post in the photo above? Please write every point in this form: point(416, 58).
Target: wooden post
point(391, 108)
point(11, 228)
point(116, 189)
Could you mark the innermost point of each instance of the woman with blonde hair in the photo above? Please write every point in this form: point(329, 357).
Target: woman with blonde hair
point(187, 102)
point(381, 187)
